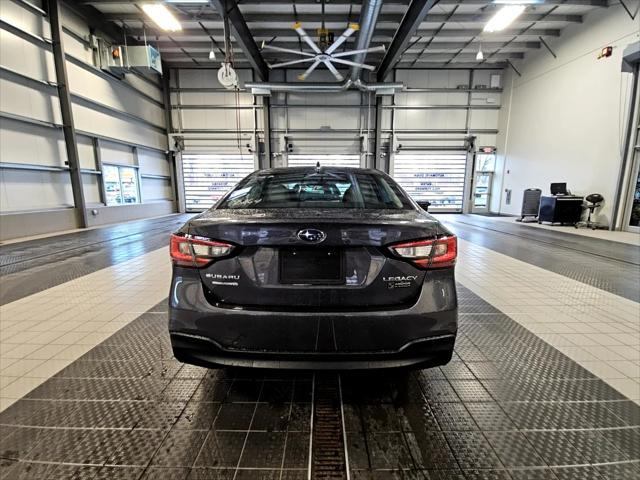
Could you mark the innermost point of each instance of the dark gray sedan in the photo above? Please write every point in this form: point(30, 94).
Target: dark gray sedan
point(314, 268)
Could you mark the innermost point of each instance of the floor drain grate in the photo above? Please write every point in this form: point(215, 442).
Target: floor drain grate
point(328, 460)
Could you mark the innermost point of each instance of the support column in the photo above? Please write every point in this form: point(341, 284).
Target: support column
point(68, 127)
point(266, 126)
point(168, 120)
point(378, 161)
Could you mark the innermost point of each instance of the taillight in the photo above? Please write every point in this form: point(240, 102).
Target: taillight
point(195, 251)
point(438, 253)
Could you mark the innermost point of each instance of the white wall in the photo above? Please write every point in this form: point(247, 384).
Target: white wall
point(563, 119)
point(126, 114)
point(335, 122)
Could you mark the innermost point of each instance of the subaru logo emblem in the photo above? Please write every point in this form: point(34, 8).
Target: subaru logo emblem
point(312, 235)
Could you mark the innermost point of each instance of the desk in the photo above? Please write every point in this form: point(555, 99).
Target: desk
point(564, 209)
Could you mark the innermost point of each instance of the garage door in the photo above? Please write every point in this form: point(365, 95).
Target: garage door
point(437, 177)
point(301, 160)
point(209, 176)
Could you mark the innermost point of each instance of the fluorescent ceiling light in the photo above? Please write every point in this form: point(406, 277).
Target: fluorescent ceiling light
point(162, 17)
point(503, 18)
point(518, 2)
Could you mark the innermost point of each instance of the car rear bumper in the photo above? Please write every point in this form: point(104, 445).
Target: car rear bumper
point(204, 334)
point(427, 352)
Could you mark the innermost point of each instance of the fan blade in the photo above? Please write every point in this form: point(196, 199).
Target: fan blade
point(288, 50)
point(303, 76)
point(379, 48)
point(333, 70)
point(298, 28)
point(353, 27)
point(293, 62)
point(353, 64)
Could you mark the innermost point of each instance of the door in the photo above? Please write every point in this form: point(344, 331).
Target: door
point(633, 216)
point(435, 177)
point(481, 192)
point(483, 179)
point(631, 222)
point(207, 177)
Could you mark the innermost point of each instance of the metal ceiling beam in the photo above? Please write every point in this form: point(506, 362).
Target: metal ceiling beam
point(382, 33)
point(453, 66)
point(435, 45)
point(203, 57)
point(243, 36)
point(412, 19)
point(178, 64)
point(585, 3)
point(338, 18)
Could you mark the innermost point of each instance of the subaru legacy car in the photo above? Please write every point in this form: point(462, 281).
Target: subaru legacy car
point(314, 268)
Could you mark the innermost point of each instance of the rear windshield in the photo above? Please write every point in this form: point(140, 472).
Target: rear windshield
point(316, 190)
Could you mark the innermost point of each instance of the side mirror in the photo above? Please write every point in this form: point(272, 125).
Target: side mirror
point(424, 204)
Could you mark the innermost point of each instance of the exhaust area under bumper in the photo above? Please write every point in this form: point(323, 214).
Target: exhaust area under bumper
point(420, 353)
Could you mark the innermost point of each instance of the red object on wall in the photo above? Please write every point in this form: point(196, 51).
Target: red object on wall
point(605, 52)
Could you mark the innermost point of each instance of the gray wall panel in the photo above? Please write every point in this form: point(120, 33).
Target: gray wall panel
point(127, 110)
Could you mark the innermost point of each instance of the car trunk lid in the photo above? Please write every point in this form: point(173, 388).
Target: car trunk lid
point(277, 267)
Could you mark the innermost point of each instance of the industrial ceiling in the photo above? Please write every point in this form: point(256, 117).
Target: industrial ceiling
point(418, 34)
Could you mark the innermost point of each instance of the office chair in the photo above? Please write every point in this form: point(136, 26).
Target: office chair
point(594, 201)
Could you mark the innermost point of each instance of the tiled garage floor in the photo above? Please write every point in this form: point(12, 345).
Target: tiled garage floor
point(509, 405)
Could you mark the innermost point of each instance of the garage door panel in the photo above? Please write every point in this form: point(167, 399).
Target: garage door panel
point(437, 177)
point(337, 160)
point(207, 177)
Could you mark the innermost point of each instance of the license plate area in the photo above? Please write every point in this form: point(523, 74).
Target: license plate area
point(311, 266)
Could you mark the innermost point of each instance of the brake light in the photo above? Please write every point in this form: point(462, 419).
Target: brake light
point(438, 253)
point(196, 252)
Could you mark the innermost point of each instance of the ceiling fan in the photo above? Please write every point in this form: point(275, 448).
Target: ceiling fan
point(328, 57)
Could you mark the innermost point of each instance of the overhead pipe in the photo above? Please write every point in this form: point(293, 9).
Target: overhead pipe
point(265, 88)
point(368, 18)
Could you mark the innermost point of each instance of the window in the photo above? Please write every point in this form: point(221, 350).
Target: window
point(326, 189)
point(120, 185)
point(485, 162)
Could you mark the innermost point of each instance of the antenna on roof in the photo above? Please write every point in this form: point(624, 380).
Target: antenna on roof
point(318, 167)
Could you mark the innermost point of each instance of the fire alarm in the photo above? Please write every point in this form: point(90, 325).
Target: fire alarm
point(605, 52)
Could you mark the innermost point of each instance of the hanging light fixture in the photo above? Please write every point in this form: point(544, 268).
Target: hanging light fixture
point(480, 55)
point(212, 52)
